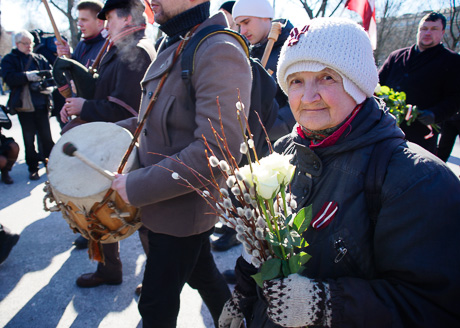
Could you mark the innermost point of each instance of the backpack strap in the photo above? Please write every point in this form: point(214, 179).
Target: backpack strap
point(375, 175)
point(188, 56)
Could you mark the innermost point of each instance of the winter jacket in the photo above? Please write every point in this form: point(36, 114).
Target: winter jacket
point(401, 272)
point(285, 120)
point(87, 50)
point(118, 92)
point(430, 79)
point(176, 129)
point(14, 70)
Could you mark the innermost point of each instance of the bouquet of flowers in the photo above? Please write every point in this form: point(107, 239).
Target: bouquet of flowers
point(396, 103)
point(256, 204)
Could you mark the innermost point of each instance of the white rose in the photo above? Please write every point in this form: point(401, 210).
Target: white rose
point(266, 182)
point(280, 164)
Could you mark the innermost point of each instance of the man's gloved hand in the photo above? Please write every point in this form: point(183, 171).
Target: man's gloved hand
point(297, 301)
point(33, 76)
point(47, 91)
point(426, 117)
point(231, 316)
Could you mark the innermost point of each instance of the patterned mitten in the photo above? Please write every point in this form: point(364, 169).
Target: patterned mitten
point(297, 301)
point(231, 316)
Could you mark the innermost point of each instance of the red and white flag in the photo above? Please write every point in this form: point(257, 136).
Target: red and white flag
point(149, 12)
point(366, 9)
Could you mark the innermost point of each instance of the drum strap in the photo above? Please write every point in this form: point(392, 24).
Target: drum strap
point(154, 98)
point(95, 247)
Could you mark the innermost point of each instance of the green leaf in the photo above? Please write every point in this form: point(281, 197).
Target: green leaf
point(258, 278)
point(272, 239)
point(277, 251)
point(294, 263)
point(271, 269)
point(308, 217)
point(285, 268)
point(304, 257)
point(298, 220)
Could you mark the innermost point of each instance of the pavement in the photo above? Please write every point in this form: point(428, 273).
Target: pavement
point(37, 280)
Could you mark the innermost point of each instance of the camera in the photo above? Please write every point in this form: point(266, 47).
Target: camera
point(46, 82)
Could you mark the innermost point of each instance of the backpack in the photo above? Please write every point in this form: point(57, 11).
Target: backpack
point(263, 91)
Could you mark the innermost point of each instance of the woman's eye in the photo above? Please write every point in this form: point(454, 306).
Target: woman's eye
point(294, 81)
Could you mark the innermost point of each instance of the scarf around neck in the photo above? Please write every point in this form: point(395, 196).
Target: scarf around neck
point(179, 25)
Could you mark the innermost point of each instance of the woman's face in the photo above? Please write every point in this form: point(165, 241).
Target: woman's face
point(318, 99)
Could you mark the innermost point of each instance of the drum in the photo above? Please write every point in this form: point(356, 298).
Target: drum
point(82, 194)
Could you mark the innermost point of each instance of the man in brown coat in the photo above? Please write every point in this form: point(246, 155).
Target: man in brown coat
point(178, 218)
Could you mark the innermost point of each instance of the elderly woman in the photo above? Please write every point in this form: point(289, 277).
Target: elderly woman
point(399, 269)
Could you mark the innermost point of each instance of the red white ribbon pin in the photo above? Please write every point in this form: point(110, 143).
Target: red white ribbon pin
point(325, 215)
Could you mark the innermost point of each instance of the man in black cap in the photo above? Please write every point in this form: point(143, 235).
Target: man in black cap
point(226, 8)
point(117, 96)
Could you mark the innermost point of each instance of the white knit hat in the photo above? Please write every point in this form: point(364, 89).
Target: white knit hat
point(254, 8)
point(337, 43)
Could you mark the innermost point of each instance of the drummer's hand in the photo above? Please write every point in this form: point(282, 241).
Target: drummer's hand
point(64, 116)
point(119, 185)
point(62, 49)
point(73, 106)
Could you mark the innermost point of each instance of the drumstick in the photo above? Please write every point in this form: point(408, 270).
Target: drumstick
point(275, 31)
point(70, 150)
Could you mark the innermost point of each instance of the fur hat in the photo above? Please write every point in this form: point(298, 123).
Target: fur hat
point(337, 43)
point(254, 8)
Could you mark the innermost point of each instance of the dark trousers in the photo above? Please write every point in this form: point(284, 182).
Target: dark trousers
point(449, 132)
point(113, 267)
point(36, 122)
point(172, 262)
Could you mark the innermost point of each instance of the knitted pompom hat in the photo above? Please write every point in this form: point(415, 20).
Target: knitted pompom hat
point(254, 8)
point(337, 43)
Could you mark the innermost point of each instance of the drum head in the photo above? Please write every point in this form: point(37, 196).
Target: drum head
point(104, 144)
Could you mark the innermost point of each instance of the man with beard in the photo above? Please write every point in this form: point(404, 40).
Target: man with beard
point(178, 219)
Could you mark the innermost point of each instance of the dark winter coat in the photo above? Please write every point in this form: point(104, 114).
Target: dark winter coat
point(87, 50)
point(118, 91)
point(285, 120)
point(402, 272)
point(430, 79)
point(14, 67)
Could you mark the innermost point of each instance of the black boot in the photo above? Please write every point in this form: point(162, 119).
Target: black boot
point(6, 179)
point(226, 241)
point(81, 242)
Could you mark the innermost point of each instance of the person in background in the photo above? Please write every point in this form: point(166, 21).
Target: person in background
point(450, 129)
point(178, 218)
point(9, 151)
point(7, 242)
point(91, 28)
point(21, 69)
point(429, 74)
point(253, 19)
point(117, 96)
point(227, 8)
point(396, 267)
point(86, 51)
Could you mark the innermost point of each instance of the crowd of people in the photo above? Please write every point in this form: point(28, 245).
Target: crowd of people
point(390, 262)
